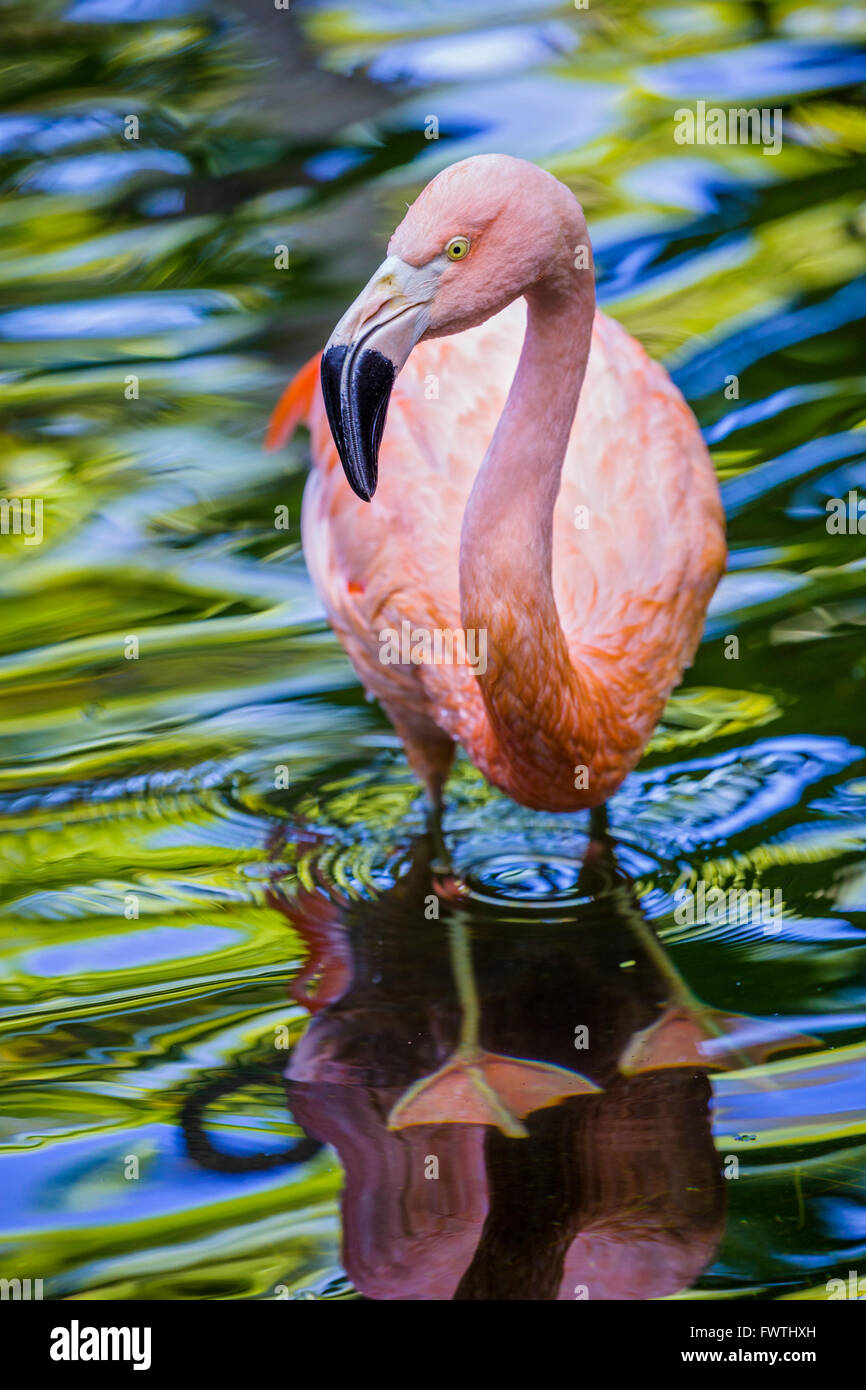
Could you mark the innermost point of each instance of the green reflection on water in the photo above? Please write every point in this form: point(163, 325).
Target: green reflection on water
point(144, 335)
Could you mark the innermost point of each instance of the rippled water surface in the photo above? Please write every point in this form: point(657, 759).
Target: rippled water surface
point(178, 921)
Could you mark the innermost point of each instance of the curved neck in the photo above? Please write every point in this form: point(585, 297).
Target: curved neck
point(531, 691)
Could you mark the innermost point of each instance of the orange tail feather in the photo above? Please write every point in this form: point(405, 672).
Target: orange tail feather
point(294, 404)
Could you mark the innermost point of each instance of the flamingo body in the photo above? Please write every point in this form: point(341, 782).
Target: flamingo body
point(637, 550)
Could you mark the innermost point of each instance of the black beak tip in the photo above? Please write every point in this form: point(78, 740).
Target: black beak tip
point(362, 492)
point(356, 402)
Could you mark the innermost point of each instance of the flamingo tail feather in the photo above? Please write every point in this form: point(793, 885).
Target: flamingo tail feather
point(294, 405)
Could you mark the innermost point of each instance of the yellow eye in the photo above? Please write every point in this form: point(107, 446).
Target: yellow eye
point(457, 248)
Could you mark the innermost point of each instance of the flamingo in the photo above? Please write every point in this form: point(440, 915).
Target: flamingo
point(544, 487)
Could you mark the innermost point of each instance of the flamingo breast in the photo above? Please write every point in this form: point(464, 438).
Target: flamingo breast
point(638, 532)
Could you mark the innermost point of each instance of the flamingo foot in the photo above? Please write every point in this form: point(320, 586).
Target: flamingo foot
point(484, 1088)
point(706, 1039)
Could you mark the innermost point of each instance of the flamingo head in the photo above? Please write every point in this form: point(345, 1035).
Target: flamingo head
point(481, 233)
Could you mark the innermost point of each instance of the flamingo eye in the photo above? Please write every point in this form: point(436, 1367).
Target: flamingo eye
point(457, 248)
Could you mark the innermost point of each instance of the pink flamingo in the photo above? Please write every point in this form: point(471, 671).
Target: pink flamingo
point(544, 486)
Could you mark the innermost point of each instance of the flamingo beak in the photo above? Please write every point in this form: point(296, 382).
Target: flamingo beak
point(362, 358)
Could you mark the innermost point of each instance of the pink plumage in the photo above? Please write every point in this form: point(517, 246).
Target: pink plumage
point(584, 543)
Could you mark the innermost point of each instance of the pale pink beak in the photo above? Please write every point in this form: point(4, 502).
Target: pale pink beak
point(363, 357)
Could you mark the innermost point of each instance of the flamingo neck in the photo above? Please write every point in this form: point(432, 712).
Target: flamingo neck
point(533, 695)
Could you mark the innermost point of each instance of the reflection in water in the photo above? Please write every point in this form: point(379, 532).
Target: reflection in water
point(610, 1188)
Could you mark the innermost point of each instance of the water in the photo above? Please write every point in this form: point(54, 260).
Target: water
point(177, 920)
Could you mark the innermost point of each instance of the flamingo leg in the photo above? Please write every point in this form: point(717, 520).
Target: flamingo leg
point(598, 871)
point(479, 1087)
point(441, 858)
point(689, 1033)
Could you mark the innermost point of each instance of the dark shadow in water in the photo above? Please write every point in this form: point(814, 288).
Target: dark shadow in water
point(199, 1144)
